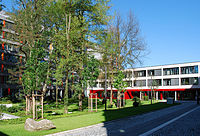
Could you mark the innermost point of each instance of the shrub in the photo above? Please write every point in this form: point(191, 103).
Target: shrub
point(14, 109)
point(3, 108)
point(110, 106)
point(146, 98)
point(5, 100)
point(137, 100)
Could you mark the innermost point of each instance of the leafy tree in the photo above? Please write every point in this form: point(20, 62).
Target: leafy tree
point(120, 85)
point(35, 71)
point(90, 74)
point(91, 71)
point(153, 84)
point(81, 21)
point(33, 42)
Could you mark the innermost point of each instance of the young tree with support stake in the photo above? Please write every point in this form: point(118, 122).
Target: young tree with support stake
point(30, 31)
point(90, 72)
point(120, 85)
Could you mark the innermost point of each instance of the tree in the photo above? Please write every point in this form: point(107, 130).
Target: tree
point(82, 19)
point(109, 54)
point(33, 42)
point(64, 24)
point(120, 85)
point(153, 84)
point(121, 45)
point(130, 44)
point(90, 74)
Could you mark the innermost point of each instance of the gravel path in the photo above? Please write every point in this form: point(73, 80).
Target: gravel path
point(135, 125)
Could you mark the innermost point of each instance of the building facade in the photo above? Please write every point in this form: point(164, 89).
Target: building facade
point(180, 81)
point(10, 58)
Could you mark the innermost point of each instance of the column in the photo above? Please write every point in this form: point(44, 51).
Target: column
point(140, 95)
point(175, 96)
point(156, 95)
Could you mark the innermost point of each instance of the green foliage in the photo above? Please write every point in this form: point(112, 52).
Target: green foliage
point(146, 98)
point(91, 71)
point(14, 109)
point(118, 81)
point(137, 99)
point(3, 108)
point(5, 100)
point(36, 69)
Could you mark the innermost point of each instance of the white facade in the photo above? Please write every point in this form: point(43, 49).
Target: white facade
point(174, 76)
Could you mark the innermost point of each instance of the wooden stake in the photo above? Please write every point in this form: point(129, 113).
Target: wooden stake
point(26, 106)
point(96, 102)
point(42, 107)
point(91, 102)
point(33, 106)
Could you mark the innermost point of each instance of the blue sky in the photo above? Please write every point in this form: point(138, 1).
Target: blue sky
point(170, 28)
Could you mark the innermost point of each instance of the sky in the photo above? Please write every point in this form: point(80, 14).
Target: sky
point(170, 28)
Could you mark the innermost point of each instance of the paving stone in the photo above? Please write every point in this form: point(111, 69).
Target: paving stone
point(131, 125)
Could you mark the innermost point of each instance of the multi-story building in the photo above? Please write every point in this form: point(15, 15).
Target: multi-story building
point(10, 57)
point(180, 81)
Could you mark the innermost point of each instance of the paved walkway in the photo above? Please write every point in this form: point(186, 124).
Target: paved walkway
point(188, 125)
point(8, 116)
point(140, 124)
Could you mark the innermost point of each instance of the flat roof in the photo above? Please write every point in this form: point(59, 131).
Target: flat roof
point(163, 65)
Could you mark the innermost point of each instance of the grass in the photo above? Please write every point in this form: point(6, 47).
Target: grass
point(81, 120)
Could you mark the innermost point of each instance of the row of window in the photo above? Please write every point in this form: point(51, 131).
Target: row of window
point(166, 71)
point(158, 82)
point(167, 82)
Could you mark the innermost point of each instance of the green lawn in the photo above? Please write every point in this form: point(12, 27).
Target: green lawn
point(72, 122)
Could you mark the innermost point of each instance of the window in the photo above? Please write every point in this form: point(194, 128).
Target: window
point(129, 83)
point(155, 72)
point(154, 82)
point(189, 70)
point(128, 74)
point(140, 73)
point(140, 83)
point(189, 81)
point(171, 82)
point(171, 71)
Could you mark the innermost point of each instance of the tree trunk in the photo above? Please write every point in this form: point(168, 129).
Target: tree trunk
point(56, 95)
point(26, 105)
point(66, 95)
point(111, 91)
point(118, 99)
point(80, 102)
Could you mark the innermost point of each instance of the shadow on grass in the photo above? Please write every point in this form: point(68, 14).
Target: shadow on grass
point(2, 134)
point(121, 116)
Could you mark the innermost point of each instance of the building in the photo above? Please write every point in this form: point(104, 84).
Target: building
point(10, 57)
point(180, 81)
